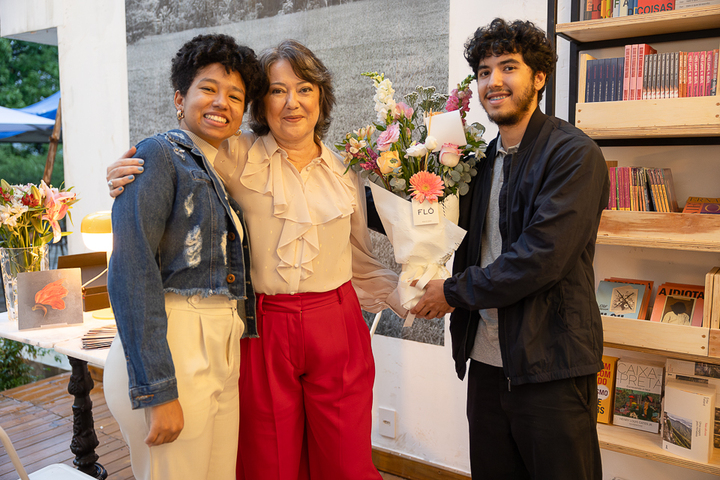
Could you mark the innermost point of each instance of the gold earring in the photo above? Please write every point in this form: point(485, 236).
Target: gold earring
point(239, 131)
point(180, 114)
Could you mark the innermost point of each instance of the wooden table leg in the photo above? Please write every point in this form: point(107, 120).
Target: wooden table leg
point(84, 439)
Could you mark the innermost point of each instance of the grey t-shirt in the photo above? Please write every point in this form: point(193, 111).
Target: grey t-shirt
point(486, 348)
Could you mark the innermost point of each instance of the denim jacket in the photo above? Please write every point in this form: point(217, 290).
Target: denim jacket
point(172, 232)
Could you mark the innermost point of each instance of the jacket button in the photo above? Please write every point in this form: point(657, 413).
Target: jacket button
point(230, 278)
point(231, 236)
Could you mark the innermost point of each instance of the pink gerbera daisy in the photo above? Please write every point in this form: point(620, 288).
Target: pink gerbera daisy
point(426, 186)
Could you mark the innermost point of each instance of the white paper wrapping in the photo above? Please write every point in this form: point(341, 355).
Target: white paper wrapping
point(421, 250)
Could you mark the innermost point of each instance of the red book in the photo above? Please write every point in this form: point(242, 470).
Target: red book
point(690, 73)
point(708, 72)
point(696, 74)
point(653, 6)
point(612, 201)
point(597, 7)
point(633, 71)
point(702, 73)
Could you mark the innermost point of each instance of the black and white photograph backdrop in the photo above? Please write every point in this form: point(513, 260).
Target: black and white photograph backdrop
point(408, 40)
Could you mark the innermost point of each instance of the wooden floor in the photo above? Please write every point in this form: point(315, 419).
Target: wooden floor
point(38, 419)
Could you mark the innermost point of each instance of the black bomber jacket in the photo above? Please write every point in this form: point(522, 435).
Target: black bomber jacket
point(555, 188)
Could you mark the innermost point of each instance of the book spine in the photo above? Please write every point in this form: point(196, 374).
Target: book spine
point(626, 72)
point(633, 72)
point(654, 79)
point(714, 80)
point(708, 72)
point(682, 76)
point(612, 199)
point(597, 7)
point(611, 79)
point(696, 74)
point(661, 76)
point(676, 74)
point(640, 71)
point(619, 72)
point(587, 12)
point(702, 73)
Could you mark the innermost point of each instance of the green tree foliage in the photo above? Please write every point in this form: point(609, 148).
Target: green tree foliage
point(28, 73)
point(14, 370)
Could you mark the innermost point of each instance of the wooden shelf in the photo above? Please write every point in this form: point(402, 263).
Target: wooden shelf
point(649, 446)
point(675, 21)
point(676, 231)
point(652, 337)
point(671, 117)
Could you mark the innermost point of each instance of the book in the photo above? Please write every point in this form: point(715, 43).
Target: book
point(584, 81)
point(626, 72)
point(587, 9)
point(714, 78)
point(682, 4)
point(698, 372)
point(620, 299)
point(708, 304)
point(638, 394)
point(712, 208)
point(679, 304)
point(688, 420)
point(643, 50)
point(646, 298)
point(654, 6)
point(669, 189)
point(606, 389)
point(633, 71)
point(612, 199)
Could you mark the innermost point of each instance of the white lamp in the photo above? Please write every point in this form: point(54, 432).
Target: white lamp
point(97, 235)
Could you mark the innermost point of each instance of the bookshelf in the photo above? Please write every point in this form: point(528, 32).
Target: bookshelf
point(662, 23)
point(666, 122)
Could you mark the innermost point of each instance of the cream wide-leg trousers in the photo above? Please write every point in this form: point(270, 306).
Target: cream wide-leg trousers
point(204, 339)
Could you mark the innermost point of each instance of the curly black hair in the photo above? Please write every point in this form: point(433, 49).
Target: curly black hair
point(204, 50)
point(307, 67)
point(500, 38)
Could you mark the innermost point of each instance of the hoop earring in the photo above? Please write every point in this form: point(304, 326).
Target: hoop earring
point(180, 114)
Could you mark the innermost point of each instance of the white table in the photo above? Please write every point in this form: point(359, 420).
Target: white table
point(68, 340)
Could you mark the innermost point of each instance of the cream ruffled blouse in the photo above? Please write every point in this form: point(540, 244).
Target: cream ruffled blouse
point(307, 229)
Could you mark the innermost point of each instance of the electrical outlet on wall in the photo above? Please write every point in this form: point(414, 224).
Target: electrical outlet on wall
point(386, 419)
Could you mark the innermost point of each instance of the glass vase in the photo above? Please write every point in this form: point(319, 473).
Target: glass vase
point(17, 260)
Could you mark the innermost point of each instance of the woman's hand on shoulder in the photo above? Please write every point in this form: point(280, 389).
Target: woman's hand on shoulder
point(123, 171)
point(166, 421)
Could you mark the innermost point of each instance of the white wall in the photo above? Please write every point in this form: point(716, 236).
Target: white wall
point(93, 82)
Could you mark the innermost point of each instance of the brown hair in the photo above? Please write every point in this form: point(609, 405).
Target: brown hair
point(307, 67)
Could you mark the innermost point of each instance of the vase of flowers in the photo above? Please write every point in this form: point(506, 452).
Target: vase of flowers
point(419, 156)
point(29, 217)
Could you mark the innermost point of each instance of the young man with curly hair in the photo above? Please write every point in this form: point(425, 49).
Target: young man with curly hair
point(522, 293)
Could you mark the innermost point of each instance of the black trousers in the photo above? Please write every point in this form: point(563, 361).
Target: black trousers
point(533, 431)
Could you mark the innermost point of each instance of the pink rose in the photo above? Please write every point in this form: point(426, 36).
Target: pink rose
point(449, 155)
point(388, 137)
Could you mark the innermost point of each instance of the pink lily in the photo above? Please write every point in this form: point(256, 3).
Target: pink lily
point(57, 207)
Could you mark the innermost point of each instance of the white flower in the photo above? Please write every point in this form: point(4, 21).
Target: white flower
point(416, 150)
point(356, 145)
point(431, 143)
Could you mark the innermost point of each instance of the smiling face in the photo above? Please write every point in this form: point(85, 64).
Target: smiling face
point(292, 105)
point(213, 105)
point(508, 89)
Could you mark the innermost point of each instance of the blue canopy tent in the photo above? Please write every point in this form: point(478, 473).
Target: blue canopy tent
point(32, 124)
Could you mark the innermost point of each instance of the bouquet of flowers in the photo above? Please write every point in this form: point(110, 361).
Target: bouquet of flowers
point(423, 151)
point(410, 156)
point(29, 215)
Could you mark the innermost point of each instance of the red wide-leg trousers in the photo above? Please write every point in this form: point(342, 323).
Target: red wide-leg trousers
point(306, 390)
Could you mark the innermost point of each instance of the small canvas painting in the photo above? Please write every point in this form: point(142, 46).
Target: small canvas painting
point(49, 298)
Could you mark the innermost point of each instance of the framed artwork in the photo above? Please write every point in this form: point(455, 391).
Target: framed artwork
point(49, 299)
